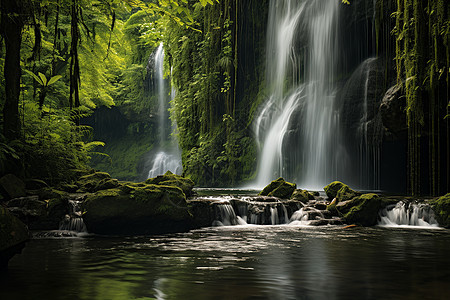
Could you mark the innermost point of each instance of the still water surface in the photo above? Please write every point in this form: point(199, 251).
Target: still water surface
point(237, 262)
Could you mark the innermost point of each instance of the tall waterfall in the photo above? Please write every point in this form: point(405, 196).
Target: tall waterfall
point(168, 156)
point(298, 126)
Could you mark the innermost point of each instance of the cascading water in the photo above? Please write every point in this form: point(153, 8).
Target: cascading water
point(407, 214)
point(74, 221)
point(298, 127)
point(168, 157)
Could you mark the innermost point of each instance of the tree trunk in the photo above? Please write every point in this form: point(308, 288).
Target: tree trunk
point(11, 30)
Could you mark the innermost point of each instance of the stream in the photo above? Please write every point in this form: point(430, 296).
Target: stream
point(237, 262)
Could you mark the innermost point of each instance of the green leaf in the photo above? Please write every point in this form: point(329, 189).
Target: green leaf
point(35, 77)
point(43, 78)
point(54, 79)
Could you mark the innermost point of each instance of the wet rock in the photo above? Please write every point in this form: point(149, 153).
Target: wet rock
point(13, 236)
point(90, 182)
point(137, 209)
point(441, 207)
point(346, 193)
point(301, 195)
point(279, 188)
point(202, 213)
point(170, 179)
point(321, 222)
point(393, 113)
point(39, 214)
point(12, 187)
point(332, 189)
point(321, 205)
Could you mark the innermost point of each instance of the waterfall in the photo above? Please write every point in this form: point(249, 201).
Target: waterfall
point(298, 126)
point(168, 157)
point(407, 214)
point(74, 221)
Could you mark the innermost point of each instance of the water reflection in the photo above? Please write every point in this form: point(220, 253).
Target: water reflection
point(239, 262)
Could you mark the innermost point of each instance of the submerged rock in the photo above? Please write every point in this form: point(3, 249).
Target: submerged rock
point(13, 236)
point(441, 207)
point(279, 188)
point(137, 209)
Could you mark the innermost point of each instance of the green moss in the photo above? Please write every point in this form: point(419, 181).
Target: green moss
point(136, 208)
point(363, 210)
point(332, 189)
point(300, 195)
point(279, 188)
point(170, 179)
point(441, 207)
point(346, 193)
point(94, 181)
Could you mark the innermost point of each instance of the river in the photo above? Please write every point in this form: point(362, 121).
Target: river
point(237, 262)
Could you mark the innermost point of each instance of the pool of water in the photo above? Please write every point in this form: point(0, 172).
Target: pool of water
point(237, 262)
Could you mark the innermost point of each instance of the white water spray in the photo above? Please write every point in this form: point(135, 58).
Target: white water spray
point(168, 158)
point(301, 51)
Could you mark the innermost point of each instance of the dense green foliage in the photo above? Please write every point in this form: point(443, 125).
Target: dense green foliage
point(62, 60)
point(422, 34)
point(72, 62)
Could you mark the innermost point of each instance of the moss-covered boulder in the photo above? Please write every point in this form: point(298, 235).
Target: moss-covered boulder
point(364, 209)
point(279, 188)
point(332, 189)
point(301, 195)
point(13, 235)
point(94, 182)
point(441, 207)
point(185, 184)
point(346, 193)
point(137, 209)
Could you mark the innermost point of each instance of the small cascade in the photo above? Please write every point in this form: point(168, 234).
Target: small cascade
point(407, 214)
point(73, 221)
point(225, 215)
point(261, 210)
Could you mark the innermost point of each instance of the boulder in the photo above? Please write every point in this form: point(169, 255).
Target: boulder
point(393, 111)
point(301, 195)
point(362, 210)
point(279, 188)
point(39, 214)
point(346, 193)
point(332, 189)
point(137, 209)
point(12, 186)
point(185, 184)
point(202, 212)
point(441, 207)
point(93, 182)
point(13, 236)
